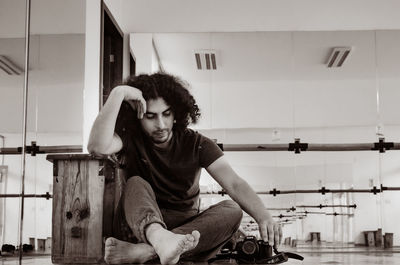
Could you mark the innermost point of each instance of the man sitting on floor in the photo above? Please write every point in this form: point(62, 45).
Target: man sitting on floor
point(158, 216)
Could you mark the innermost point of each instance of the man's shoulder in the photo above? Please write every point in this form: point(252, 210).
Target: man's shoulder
point(189, 133)
point(190, 136)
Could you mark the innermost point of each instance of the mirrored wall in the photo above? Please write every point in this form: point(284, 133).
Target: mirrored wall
point(54, 108)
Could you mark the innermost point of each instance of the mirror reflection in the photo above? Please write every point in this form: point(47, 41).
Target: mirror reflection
point(296, 107)
point(12, 49)
point(54, 111)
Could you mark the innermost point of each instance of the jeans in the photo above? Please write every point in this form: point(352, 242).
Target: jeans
point(138, 208)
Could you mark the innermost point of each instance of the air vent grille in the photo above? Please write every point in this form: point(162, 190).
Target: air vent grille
point(338, 56)
point(9, 66)
point(206, 59)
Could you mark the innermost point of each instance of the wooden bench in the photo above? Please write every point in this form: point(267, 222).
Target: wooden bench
point(86, 191)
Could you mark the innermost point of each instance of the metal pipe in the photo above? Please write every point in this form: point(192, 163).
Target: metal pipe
point(3, 232)
point(2, 146)
point(317, 191)
point(61, 149)
point(322, 191)
point(47, 196)
point(391, 188)
point(310, 147)
point(227, 147)
point(325, 206)
point(24, 122)
point(44, 149)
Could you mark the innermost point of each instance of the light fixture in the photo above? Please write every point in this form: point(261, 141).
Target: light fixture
point(338, 56)
point(206, 59)
point(9, 66)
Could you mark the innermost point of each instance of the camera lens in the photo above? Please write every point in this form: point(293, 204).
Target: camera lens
point(249, 247)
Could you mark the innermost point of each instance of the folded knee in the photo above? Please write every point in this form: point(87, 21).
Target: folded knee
point(233, 210)
point(136, 181)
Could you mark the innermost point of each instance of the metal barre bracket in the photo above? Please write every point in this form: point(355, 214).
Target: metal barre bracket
point(32, 149)
point(274, 192)
point(323, 190)
point(297, 147)
point(375, 190)
point(382, 146)
point(222, 192)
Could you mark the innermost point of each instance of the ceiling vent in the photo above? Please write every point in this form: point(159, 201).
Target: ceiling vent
point(338, 56)
point(9, 66)
point(206, 59)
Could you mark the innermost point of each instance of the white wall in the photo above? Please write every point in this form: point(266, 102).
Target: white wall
point(284, 78)
point(141, 46)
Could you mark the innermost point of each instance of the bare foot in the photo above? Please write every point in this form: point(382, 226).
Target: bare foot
point(117, 252)
point(170, 246)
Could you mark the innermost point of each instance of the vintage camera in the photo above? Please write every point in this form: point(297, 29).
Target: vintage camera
point(251, 248)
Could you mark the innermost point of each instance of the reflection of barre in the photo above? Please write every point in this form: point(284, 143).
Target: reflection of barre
point(324, 206)
point(323, 191)
point(47, 196)
point(297, 147)
point(307, 212)
point(35, 149)
point(292, 215)
point(283, 222)
point(346, 214)
point(282, 209)
point(334, 213)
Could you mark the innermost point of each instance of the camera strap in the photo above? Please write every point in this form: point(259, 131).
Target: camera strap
point(280, 257)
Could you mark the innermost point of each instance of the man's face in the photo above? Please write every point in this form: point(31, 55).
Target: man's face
point(158, 121)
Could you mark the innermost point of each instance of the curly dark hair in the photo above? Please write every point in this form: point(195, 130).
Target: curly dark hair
point(174, 92)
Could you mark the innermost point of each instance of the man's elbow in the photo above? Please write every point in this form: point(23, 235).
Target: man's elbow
point(95, 149)
point(91, 149)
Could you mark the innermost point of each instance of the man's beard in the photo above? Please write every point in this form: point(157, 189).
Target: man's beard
point(165, 136)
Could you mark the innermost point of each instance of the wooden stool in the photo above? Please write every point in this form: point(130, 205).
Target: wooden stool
point(315, 236)
point(41, 244)
point(369, 238)
point(32, 242)
point(378, 238)
point(388, 240)
point(85, 196)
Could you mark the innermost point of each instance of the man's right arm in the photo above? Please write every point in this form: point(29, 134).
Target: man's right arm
point(103, 139)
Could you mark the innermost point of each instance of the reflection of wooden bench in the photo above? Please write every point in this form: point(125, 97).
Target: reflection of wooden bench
point(41, 244)
point(369, 238)
point(388, 240)
point(86, 191)
point(378, 237)
point(315, 236)
point(287, 241)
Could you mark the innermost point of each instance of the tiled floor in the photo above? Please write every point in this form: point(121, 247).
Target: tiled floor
point(309, 259)
point(313, 254)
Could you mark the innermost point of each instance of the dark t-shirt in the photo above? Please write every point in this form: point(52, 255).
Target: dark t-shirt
point(174, 171)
